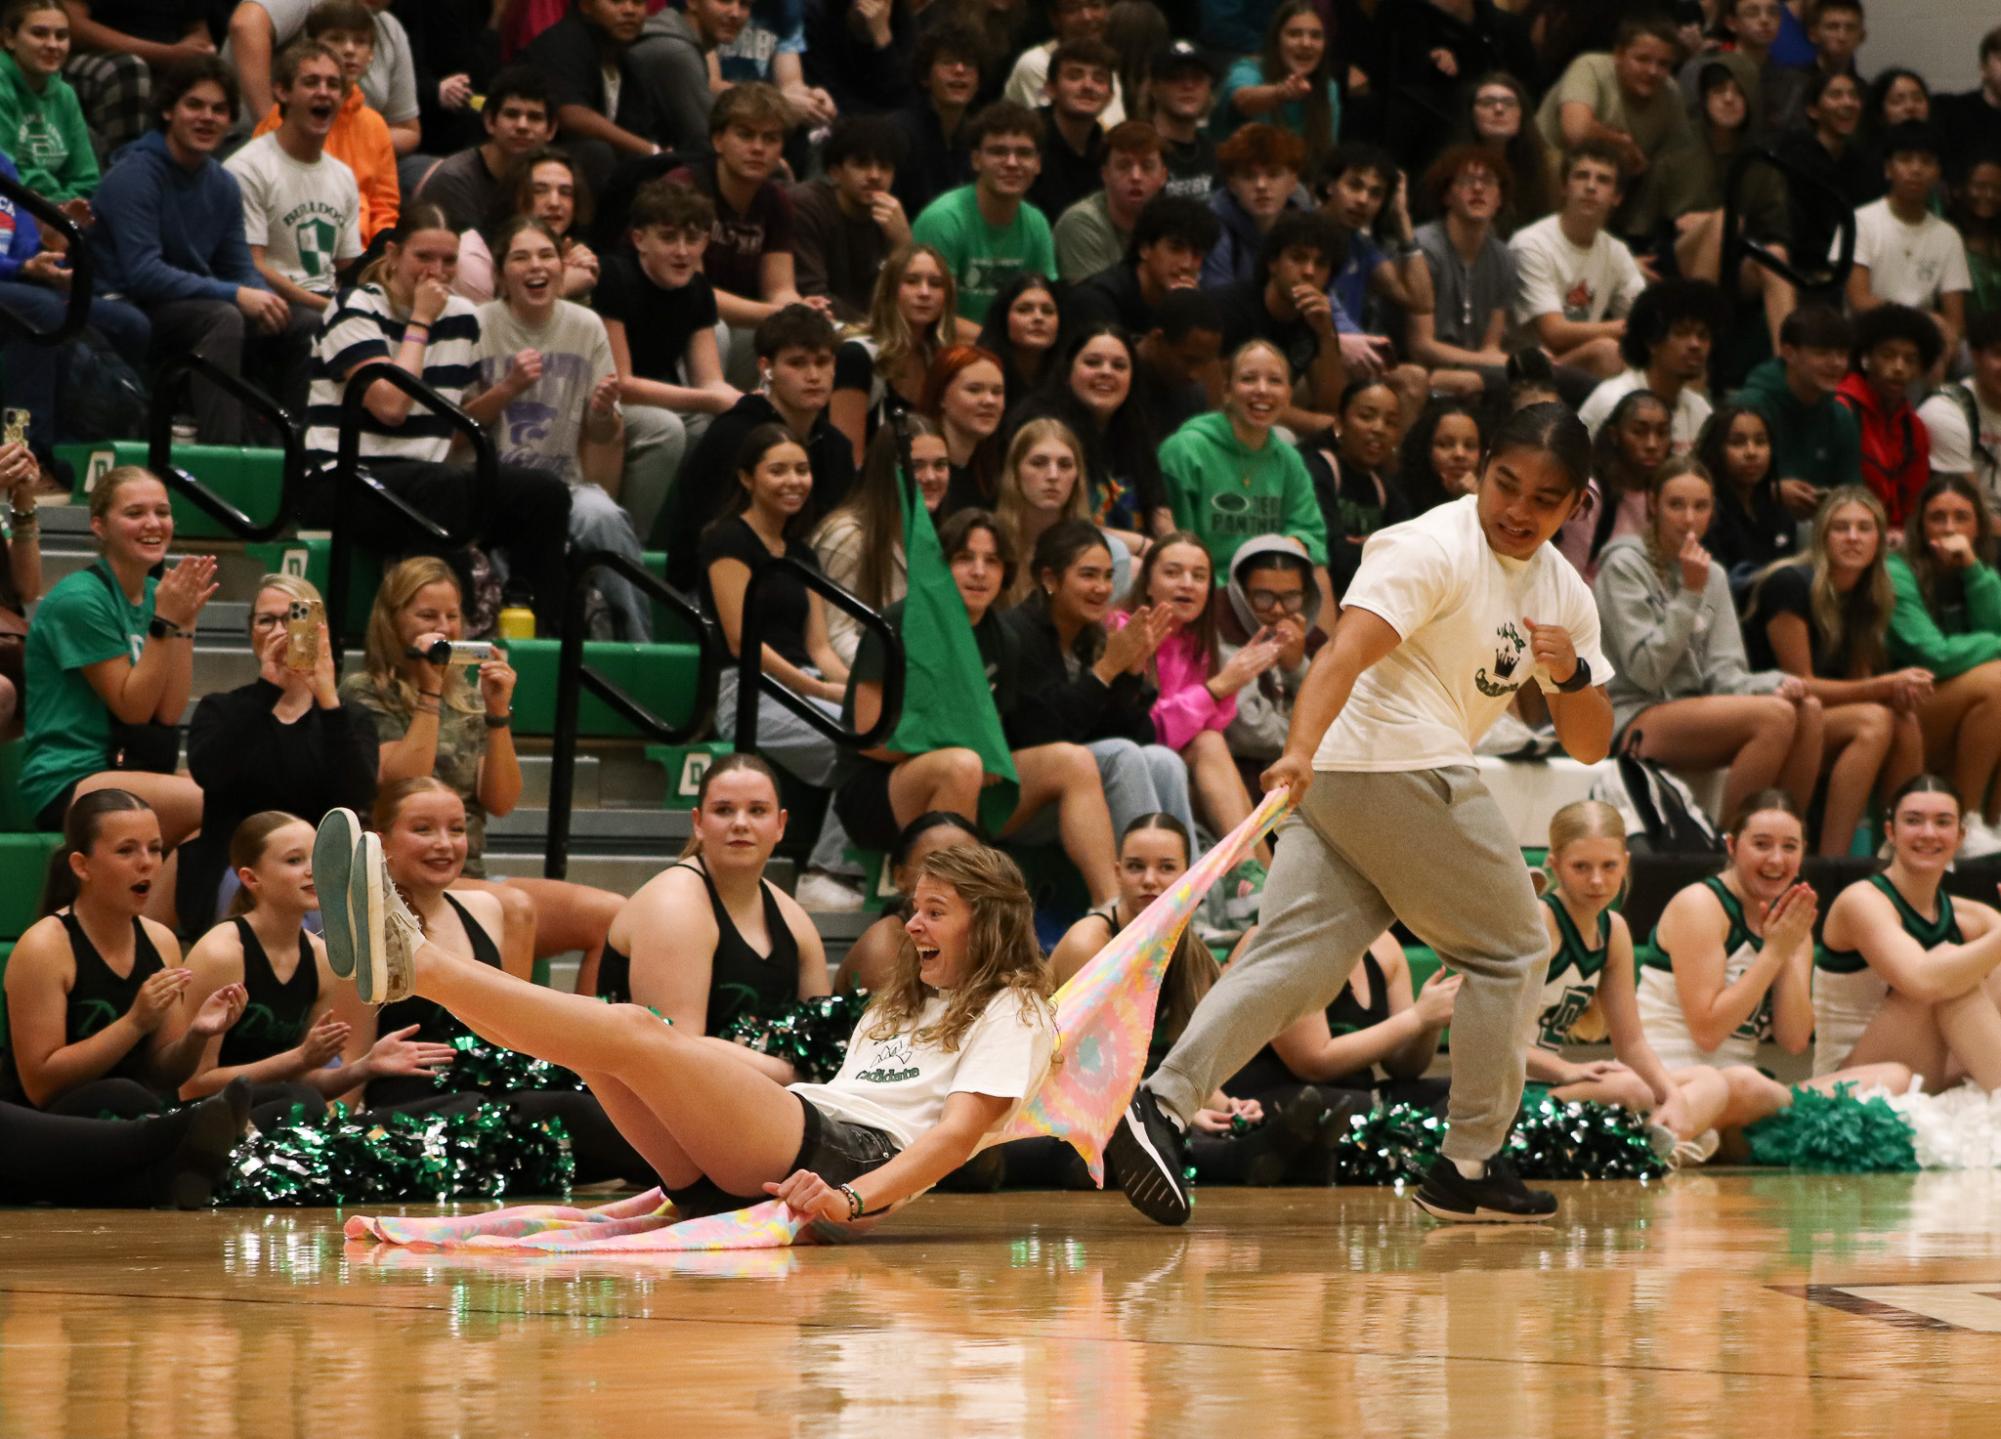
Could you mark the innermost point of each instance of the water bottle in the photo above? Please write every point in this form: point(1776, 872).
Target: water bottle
point(517, 619)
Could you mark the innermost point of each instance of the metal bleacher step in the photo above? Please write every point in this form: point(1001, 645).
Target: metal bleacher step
point(592, 828)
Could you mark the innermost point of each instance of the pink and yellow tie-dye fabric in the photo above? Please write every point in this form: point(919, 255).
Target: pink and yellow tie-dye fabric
point(1104, 1015)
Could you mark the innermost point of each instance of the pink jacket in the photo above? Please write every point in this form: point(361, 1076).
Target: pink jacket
point(1186, 706)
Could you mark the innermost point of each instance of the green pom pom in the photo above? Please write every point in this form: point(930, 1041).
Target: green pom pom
point(1550, 1140)
point(334, 1159)
point(811, 1034)
point(494, 1070)
point(1835, 1133)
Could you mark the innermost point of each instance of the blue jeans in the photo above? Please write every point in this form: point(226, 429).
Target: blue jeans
point(33, 371)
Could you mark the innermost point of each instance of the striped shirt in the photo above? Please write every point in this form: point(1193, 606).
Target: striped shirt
point(362, 328)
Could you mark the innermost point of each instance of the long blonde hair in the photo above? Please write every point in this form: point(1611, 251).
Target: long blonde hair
point(1855, 624)
point(1583, 819)
point(1001, 952)
point(895, 342)
point(1011, 506)
point(1674, 468)
point(385, 648)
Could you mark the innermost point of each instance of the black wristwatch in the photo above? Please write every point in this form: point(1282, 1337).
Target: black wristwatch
point(161, 629)
point(505, 721)
point(1580, 678)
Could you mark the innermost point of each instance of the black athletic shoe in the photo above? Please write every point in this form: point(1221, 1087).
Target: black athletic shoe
point(1497, 1197)
point(1144, 1153)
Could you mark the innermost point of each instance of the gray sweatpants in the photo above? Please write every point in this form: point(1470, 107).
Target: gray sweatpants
point(1429, 847)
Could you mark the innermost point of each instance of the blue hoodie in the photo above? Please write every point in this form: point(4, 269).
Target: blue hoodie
point(165, 232)
point(20, 236)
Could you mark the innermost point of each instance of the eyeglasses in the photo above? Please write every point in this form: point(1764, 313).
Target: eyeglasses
point(1289, 601)
point(1497, 102)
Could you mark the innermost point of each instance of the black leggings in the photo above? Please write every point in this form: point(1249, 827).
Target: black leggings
point(530, 519)
point(48, 1158)
point(270, 1103)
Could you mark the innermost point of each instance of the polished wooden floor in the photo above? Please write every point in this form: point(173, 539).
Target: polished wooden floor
point(1708, 1304)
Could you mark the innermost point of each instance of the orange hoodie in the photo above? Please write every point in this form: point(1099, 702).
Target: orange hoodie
point(360, 140)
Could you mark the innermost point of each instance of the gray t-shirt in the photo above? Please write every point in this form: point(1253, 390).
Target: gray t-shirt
point(542, 426)
point(390, 82)
point(1465, 296)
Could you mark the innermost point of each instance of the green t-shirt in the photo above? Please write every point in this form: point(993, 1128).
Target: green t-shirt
point(82, 622)
point(982, 258)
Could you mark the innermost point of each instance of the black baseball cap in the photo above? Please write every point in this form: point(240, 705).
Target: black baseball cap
point(1179, 56)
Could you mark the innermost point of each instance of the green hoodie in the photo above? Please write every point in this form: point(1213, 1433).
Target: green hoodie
point(1821, 444)
point(45, 135)
point(1965, 633)
point(1226, 493)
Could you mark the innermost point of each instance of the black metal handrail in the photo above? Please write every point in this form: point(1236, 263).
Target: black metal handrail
point(573, 677)
point(752, 681)
point(1738, 246)
point(82, 268)
point(175, 375)
point(349, 478)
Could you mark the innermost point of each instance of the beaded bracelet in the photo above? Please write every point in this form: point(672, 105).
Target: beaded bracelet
point(855, 1206)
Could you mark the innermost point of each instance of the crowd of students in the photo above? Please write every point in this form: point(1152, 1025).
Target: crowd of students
point(1164, 314)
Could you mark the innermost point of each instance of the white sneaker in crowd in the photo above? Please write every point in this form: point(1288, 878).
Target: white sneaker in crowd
point(821, 893)
point(1980, 840)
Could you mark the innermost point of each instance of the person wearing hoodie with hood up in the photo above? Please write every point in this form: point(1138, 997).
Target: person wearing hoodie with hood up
point(671, 57)
point(1271, 591)
point(1229, 478)
point(1894, 344)
point(169, 239)
point(1683, 694)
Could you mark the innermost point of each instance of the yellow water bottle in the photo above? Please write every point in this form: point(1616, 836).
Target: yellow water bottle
point(517, 622)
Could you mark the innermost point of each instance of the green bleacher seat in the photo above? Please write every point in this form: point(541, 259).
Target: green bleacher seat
point(311, 559)
point(661, 677)
point(23, 860)
point(250, 479)
point(685, 764)
point(668, 628)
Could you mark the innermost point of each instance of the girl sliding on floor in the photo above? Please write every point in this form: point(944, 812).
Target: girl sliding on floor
point(943, 1057)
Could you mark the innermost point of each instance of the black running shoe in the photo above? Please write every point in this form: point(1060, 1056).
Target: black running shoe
point(1497, 1197)
point(1144, 1153)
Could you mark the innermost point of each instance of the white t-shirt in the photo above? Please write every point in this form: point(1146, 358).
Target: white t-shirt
point(541, 426)
point(899, 1085)
point(1691, 409)
point(1954, 449)
point(1908, 264)
point(1553, 276)
point(1458, 607)
point(307, 217)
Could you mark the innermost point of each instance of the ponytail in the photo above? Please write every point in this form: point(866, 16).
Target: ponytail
point(80, 830)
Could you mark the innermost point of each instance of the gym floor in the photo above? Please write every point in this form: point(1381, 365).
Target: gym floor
point(1725, 1303)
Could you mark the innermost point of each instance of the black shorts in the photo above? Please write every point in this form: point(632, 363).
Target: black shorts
point(862, 802)
point(837, 1151)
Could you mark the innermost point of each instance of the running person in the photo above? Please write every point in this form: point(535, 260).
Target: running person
point(1447, 617)
point(944, 1057)
point(1908, 973)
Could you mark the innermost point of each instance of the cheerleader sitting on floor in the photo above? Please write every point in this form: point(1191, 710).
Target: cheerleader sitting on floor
point(942, 1058)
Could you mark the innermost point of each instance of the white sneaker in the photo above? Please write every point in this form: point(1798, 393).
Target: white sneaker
point(1980, 840)
point(386, 933)
point(821, 893)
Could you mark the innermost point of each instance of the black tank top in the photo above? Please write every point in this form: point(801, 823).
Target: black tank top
point(98, 997)
point(1346, 1015)
point(276, 1016)
point(436, 1024)
point(741, 981)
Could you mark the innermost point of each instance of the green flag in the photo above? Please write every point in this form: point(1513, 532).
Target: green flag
point(947, 702)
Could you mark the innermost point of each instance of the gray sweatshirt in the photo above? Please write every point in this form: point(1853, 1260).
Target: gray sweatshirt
point(1264, 706)
point(1668, 644)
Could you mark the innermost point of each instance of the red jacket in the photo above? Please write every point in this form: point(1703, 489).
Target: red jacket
point(1896, 448)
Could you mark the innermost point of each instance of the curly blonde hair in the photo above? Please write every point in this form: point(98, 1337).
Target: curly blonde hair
point(1002, 952)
